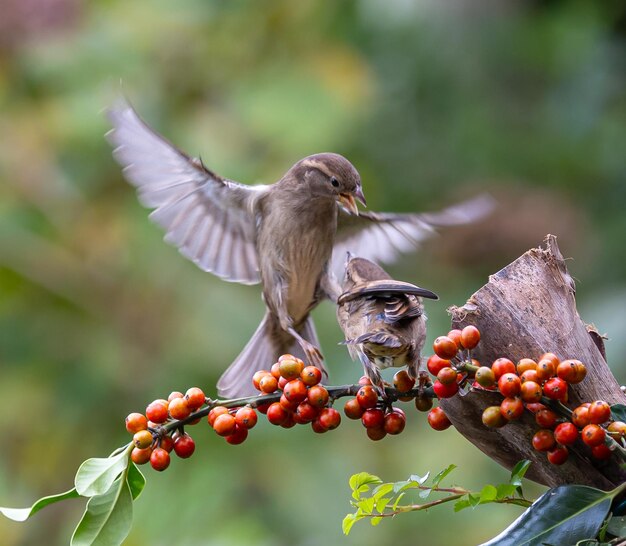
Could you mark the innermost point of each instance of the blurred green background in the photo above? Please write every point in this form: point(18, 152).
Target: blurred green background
point(432, 101)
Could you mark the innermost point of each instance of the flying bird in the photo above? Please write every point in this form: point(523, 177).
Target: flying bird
point(289, 236)
point(382, 319)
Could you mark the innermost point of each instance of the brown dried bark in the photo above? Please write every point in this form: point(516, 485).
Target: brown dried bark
point(526, 309)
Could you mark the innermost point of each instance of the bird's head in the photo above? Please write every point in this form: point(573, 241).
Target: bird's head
point(333, 176)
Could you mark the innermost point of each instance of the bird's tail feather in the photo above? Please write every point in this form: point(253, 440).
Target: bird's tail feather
point(260, 353)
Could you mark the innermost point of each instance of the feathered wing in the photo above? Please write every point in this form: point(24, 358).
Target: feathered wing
point(210, 219)
point(382, 237)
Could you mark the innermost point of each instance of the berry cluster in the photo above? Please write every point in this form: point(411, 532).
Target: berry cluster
point(303, 399)
point(378, 416)
point(540, 387)
point(153, 441)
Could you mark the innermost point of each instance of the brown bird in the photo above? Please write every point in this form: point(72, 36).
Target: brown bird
point(382, 319)
point(290, 236)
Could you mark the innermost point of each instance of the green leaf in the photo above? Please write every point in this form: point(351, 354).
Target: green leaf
point(376, 520)
point(22, 514)
point(382, 503)
point(359, 483)
point(505, 490)
point(618, 412)
point(419, 479)
point(473, 499)
point(489, 493)
point(136, 480)
point(382, 490)
point(462, 504)
point(366, 505)
point(439, 477)
point(397, 501)
point(108, 518)
point(617, 526)
point(563, 515)
point(424, 493)
point(518, 472)
point(95, 476)
point(348, 522)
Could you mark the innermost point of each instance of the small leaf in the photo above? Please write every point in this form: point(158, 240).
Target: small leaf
point(108, 518)
point(381, 504)
point(488, 494)
point(473, 499)
point(439, 477)
point(22, 514)
point(359, 483)
point(136, 480)
point(505, 490)
point(617, 526)
point(95, 476)
point(397, 501)
point(424, 493)
point(419, 479)
point(518, 472)
point(376, 520)
point(366, 505)
point(382, 490)
point(461, 504)
point(348, 522)
point(563, 515)
point(618, 412)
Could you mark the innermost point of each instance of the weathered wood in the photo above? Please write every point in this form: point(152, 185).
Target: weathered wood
point(526, 309)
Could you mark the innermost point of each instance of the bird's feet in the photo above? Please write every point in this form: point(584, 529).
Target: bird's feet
point(313, 354)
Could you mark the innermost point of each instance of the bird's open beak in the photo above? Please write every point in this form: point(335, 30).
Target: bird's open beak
point(359, 195)
point(347, 202)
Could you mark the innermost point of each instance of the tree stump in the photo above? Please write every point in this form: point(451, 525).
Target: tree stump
point(526, 309)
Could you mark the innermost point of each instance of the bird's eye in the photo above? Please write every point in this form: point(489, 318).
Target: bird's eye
point(334, 182)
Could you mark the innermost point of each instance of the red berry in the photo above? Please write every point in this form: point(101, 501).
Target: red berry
point(305, 413)
point(545, 418)
point(445, 391)
point(531, 392)
point(140, 456)
point(157, 411)
point(136, 422)
point(395, 421)
point(599, 412)
point(364, 380)
point(423, 403)
point(166, 443)
point(353, 409)
point(543, 440)
point(195, 398)
point(311, 375)
point(435, 364)
point(262, 408)
point(601, 452)
point(246, 417)
point(566, 433)
point(367, 397)
point(512, 408)
point(617, 428)
point(287, 404)
point(493, 418)
point(444, 347)
point(485, 377)
point(525, 364)
point(295, 391)
point(455, 335)
point(530, 375)
point(318, 396)
point(373, 418)
point(268, 384)
point(317, 427)
point(545, 370)
point(329, 418)
point(184, 446)
point(159, 459)
point(291, 368)
point(376, 434)
point(470, 336)
point(275, 370)
point(224, 424)
point(446, 376)
point(509, 384)
point(534, 407)
point(215, 412)
point(256, 378)
point(282, 382)
point(238, 436)
point(593, 435)
point(179, 409)
point(277, 414)
point(580, 416)
point(174, 394)
point(551, 357)
point(437, 419)
point(402, 381)
point(142, 439)
point(558, 455)
point(556, 389)
point(501, 366)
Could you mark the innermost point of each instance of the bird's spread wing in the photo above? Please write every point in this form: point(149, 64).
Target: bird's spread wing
point(383, 236)
point(210, 219)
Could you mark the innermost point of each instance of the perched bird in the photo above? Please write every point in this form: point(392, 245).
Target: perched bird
point(290, 236)
point(382, 319)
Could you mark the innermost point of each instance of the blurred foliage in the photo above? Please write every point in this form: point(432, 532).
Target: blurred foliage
point(432, 101)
